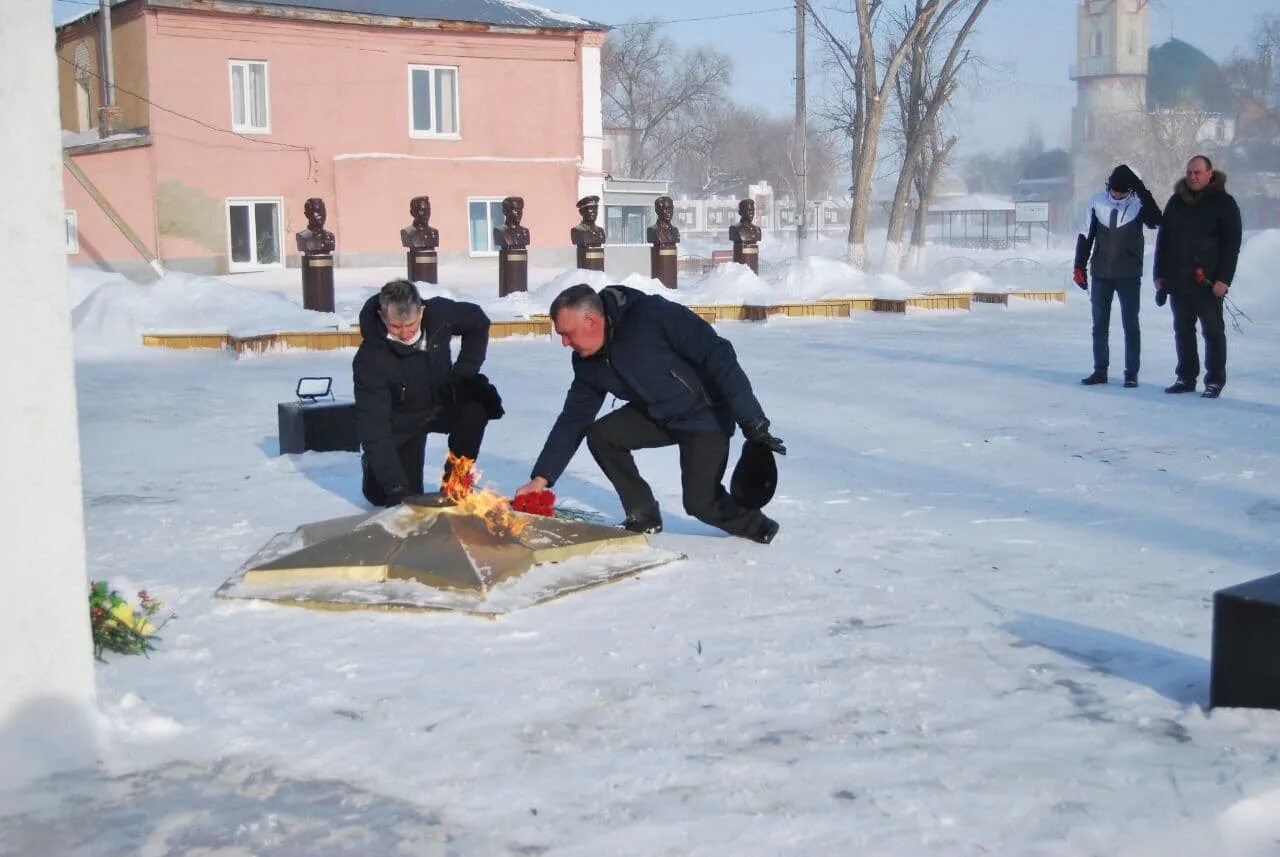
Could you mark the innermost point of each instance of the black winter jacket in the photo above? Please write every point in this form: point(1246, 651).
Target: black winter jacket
point(662, 358)
point(396, 385)
point(1200, 230)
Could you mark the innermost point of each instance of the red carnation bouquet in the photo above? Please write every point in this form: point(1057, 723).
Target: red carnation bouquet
point(536, 503)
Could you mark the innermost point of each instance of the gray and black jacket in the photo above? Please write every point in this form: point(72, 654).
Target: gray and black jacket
point(1112, 232)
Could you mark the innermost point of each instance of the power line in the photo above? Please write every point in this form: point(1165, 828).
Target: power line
point(311, 158)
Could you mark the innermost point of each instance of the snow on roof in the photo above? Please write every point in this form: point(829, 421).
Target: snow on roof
point(973, 202)
point(498, 13)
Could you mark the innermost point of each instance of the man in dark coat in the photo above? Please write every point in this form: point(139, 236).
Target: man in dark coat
point(1112, 235)
point(1196, 252)
point(407, 384)
point(683, 387)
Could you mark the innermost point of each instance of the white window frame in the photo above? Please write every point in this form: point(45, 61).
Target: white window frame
point(431, 134)
point(488, 201)
point(244, 127)
point(71, 233)
point(241, 267)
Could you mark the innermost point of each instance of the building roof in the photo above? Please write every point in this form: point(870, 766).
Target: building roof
point(494, 13)
point(1180, 76)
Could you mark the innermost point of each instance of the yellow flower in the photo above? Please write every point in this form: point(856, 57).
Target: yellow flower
point(124, 614)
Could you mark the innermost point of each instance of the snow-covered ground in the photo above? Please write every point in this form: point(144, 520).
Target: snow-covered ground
point(983, 629)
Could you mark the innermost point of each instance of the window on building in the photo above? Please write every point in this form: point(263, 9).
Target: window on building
point(483, 215)
point(71, 233)
point(1089, 130)
point(433, 101)
point(718, 216)
point(686, 216)
point(1097, 44)
point(625, 224)
point(253, 233)
point(250, 111)
point(1133, 42)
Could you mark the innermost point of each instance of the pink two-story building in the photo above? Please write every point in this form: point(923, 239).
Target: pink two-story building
point(236, 111)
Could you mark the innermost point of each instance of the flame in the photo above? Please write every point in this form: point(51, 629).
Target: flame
point(492, 507)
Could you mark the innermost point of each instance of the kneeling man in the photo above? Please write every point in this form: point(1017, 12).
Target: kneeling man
point(407, 384)
point(683, 387)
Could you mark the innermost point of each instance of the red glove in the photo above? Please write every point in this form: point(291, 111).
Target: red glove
point(1198, 276)
point(536, 503)
point(1079, 278)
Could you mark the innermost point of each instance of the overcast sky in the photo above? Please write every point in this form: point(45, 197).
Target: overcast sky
point(1028, 44)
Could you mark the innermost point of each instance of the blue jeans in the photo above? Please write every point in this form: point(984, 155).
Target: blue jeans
point(1129, 292)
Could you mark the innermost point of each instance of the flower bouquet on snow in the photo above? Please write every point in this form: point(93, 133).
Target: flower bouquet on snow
point(544, 503)
point(119, 626)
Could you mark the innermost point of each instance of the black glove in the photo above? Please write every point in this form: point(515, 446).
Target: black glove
point(462, 387)
point(482, 390)
point(758, 431)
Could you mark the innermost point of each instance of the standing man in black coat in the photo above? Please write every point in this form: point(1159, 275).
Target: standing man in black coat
point(1112, 235)
point(683, 387)
point(1196, 252)
point(407, 385)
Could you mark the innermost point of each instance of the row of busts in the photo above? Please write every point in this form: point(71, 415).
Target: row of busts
point(420, 235)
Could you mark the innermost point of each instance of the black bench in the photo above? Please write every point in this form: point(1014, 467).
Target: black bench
point(322, 426)
point(1245, 670)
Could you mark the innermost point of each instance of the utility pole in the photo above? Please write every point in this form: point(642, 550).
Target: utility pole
point(109, 118)
point(801, 161)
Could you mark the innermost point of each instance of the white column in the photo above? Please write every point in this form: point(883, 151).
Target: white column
point(591, 173)
point(46, 661)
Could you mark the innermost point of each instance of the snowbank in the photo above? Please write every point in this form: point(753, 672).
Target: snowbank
point(1252, 290)
point(115, 314)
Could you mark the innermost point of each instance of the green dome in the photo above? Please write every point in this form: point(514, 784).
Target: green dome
point(1179, 75)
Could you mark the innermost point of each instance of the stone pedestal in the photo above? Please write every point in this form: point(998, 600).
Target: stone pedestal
point(1245, 669)
point(423, 266)
point(747, 253)
point(513, 271)
point(662, 264)
point(317, 282)
point(591, 258)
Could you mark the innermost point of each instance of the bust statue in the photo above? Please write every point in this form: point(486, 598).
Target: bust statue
point(745, 231)
point(512, 236)
point(420, 235)
point(315, 240)
point(663, 232)
point(587, 233)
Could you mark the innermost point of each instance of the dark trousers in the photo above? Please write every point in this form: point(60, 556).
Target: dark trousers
point(465, 427)
point(1129, 292)
point(703, 458)
point(1190, 305)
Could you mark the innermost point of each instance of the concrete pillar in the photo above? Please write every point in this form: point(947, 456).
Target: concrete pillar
point(46, 658)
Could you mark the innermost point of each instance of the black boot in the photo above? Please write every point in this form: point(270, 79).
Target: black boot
point(1096, 378)
point(768, 529)
point(1181, 386)
point(649, 522)
point(1130, 380)
point(1211, 391)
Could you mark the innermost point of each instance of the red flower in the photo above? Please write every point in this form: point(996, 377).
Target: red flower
point(536, 503)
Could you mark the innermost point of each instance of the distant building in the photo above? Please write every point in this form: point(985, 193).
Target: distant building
point(237, 111)
point(1150, 107)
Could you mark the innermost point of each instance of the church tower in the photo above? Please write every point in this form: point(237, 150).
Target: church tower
point(1111, 86)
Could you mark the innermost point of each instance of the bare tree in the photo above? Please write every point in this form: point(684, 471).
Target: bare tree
point(658, 94)
point(744, 146)
point(923, 86)
point(869, 84)
point(932, 159)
